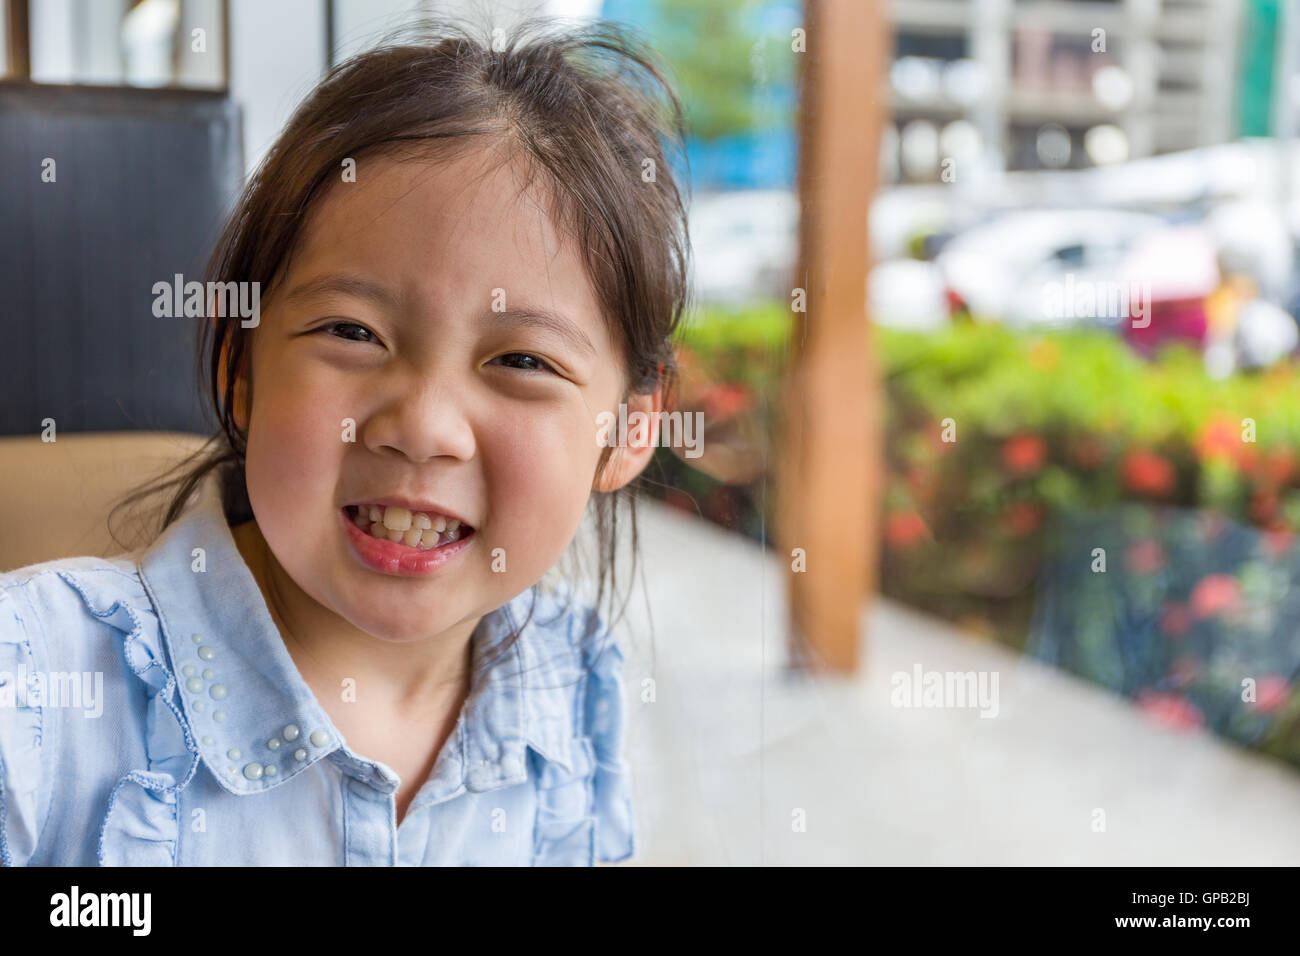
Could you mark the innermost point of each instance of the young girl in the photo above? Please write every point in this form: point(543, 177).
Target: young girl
point(339, 651)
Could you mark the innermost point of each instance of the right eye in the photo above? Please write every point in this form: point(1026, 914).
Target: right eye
point(350, 336)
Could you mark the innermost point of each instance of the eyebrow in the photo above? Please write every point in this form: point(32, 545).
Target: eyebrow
point(360, 288)
point(544, 319)
point(353, 286)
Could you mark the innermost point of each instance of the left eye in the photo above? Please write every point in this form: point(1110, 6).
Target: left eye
point(524, 361)
point(332, 326)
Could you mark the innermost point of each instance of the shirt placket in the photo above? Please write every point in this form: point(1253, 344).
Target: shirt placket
point(370, 820)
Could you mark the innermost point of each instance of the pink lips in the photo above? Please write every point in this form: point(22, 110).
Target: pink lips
point(391, 557)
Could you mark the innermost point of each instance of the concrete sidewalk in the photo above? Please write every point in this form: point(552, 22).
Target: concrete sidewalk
point(735, 750)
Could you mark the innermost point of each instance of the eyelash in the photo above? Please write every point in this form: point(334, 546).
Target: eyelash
point(334, 325)
point(545, 366)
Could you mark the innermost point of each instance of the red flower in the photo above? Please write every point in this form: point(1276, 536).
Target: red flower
point(1271, 693)
point(1172, 710)
point(1145, 556)
point(1219, 439)
point(1247, 457)
point(725, 400)
point(1278, 541)
point(1279, 466)
point(1024, 454)
point(1087, 452)
point(1263, 507)
point(905, 528)
point(1024, 517)
point(1147, 473)
point(1175, 620)
point(1215, 594)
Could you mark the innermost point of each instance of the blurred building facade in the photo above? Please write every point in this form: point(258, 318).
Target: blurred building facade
point(1027, 84)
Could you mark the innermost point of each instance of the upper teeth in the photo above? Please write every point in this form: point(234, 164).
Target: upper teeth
point(416, 529)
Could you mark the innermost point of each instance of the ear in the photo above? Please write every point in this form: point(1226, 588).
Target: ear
point(631, 456)
point(240, 411)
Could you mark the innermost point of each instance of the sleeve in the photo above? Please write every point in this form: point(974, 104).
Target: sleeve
point(24, 801)
point(612, 785)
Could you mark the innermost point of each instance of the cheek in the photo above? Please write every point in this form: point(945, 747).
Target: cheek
point(293, 452)
point(539, 475)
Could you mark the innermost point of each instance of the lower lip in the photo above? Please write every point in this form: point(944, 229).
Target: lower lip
point(389, 557)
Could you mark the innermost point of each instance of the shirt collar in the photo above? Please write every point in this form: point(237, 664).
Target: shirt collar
point(256, 722)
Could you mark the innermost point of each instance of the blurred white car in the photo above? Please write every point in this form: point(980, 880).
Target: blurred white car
point(907, 294)
point(745, 244)
point(1006, 268)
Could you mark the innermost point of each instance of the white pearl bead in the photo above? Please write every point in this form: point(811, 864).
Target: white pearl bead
point(218, 691)
point(319, 738)
point(253, 771)
point(291, 732)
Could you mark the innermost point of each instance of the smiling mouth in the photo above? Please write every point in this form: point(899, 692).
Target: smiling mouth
point(419, 530)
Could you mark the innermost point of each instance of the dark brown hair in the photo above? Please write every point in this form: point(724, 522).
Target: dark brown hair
point(588, 107)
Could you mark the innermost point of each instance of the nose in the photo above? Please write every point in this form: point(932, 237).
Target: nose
point(421, 423)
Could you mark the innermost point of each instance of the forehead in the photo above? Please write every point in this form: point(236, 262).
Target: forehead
point(449, 228)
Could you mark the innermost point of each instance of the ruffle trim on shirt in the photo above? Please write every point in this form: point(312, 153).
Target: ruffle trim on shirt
point(142, 825)
point(584, 816)
point(20, 748)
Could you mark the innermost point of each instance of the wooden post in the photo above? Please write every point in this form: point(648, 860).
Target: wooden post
point(830, 449)
point(19, 44)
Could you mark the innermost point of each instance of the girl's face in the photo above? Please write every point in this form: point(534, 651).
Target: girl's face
point(411, 309)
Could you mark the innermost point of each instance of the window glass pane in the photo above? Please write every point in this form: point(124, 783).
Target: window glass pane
point(129, 42)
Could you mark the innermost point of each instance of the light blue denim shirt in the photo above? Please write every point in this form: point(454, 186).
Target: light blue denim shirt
point(204, 746)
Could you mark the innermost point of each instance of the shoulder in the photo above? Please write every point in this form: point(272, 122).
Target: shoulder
point(58, 620)
point(60, 604)
point(52, 583)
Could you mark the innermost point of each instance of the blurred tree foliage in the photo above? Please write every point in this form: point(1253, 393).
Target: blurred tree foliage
point(722, 64)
